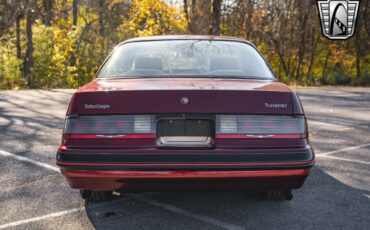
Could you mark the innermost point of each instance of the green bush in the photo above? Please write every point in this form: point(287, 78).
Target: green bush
point(10, 70)
point(335, 78)
point(365, 80)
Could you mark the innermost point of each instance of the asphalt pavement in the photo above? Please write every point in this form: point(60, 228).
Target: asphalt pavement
point(33, 195)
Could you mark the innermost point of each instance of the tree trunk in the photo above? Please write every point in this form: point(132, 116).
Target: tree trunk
point(186, 10)
point(216, 17)
point(29, 58)
point(192, 16)
point(248, 18)
point(367, 26)
point(102, 28)
point(326, 62)
point(302, 47)
point(101, 18)
point(281, 56)
point(193, 2)
point(18, 34)
point(312, 57)
point(48, 5)
point(358, 55)
point(74, 12)
point(358, 45)
point(200, 21)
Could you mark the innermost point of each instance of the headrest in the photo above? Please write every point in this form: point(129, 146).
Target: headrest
point(148, 63)
point(223, 63)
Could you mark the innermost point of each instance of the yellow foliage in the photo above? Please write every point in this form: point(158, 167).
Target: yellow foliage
point(149, 18)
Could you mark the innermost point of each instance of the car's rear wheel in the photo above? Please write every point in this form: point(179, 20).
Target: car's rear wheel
point(278, 195)
point(93, 195)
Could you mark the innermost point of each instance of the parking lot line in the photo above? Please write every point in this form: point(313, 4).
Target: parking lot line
point(168, 207)
point(174, 209)
point(344, 149)
point(344, 159)
point(162, 205)
point(39, 218)
point(66, 212)
point(28, 160)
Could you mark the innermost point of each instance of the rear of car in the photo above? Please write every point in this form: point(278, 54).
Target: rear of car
point(185, 113)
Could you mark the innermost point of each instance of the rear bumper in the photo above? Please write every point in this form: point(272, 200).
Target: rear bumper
point(247, 169)
point(185, 180)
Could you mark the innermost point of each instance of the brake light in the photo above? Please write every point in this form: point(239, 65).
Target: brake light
point(260, 126)
point(113, 126)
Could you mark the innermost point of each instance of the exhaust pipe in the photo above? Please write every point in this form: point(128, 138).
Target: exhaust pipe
point(288, 194)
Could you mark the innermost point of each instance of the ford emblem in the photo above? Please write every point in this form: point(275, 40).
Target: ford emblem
point(184, 100)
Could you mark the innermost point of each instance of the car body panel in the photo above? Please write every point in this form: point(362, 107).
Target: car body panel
point(182, 83)
point(109, 162)
point(185, 180)
point(220, 96)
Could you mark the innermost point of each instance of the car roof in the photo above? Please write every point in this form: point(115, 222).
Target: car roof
point(185, 37)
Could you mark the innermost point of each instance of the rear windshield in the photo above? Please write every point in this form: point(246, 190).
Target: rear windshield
point(187, 58)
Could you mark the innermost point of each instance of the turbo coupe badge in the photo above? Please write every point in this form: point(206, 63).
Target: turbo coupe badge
point(338, 18)
point(96, 106)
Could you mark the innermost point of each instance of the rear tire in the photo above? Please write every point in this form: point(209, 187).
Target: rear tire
point(278, 195)
point(93, 195)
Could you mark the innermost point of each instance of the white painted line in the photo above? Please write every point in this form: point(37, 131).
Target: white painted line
point(63, 213)
point(344, 159)
point(171, 208)
point(319, 125)
point(168, 207)
point(28, 160)
point(34, 219)
point(345, 149)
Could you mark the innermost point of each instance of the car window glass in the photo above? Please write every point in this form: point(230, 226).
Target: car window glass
point(186, 58)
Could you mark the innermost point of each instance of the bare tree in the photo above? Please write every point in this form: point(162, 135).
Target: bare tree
point(305, 10)
point(359, 45)
point(74, 12)
point(48, 5)
point(102, 18)
point(186, 11)
point(216, 17)
point(249, 5)
point(29, 52)
point(200, 20)
point(12, 12)
point(18, 17)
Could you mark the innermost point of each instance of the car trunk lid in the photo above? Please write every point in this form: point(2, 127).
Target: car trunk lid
point(178, 95)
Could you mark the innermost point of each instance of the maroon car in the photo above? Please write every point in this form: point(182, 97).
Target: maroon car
point(185, 113)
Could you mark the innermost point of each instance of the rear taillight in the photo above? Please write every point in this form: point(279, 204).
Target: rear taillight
point(260, 126)
point(109, 126)
point(144, 126)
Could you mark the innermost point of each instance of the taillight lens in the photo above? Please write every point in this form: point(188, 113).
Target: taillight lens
point(111, 125)
point(260, 124)
point(236, 126)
